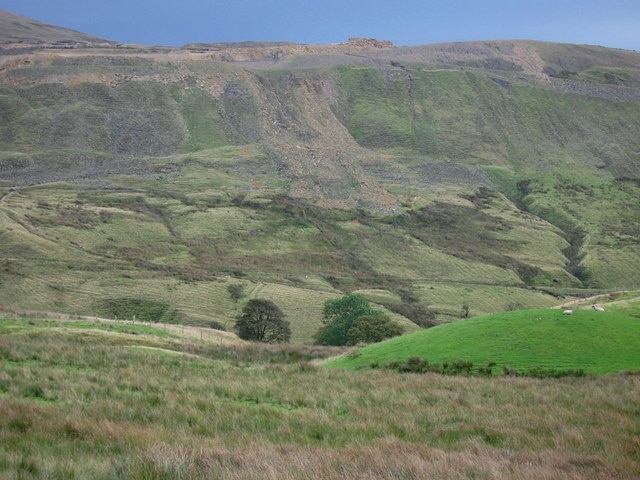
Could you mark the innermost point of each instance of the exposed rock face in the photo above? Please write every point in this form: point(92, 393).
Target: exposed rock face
point(369, 43)
point(291, 101)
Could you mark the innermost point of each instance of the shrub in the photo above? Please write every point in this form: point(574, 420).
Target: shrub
point(421, 365)
point(142, 310)
point(216, 325)
point(236, 291)
point(416, 312)
point(459, 367)
point(539, 372)
point(414, 364)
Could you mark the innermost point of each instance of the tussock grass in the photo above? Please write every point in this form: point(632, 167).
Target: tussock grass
point(79, 405)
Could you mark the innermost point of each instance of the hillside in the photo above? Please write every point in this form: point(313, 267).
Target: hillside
point(489, 174)
point(17, 29)
point(529, 340)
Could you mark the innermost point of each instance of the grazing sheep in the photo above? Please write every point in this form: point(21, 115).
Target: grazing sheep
point(598, 308)
point(568, 312)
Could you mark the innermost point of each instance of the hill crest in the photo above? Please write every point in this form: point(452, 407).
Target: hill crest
point(595, 342)
point(18, 29)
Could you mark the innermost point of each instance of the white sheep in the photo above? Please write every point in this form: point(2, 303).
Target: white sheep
point(568, 312)
point(597, 308)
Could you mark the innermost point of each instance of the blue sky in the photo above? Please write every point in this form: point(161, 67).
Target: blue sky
point(611, 23)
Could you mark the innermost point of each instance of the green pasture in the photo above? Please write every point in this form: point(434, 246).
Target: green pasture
point(595, 342)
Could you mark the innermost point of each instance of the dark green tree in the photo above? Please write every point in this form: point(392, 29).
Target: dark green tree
point(262, 321)
point(338, 317)
point(372, 328)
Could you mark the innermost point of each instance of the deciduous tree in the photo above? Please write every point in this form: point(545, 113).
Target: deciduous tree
point(338, 317)
point(263, 321)
point(372, 328)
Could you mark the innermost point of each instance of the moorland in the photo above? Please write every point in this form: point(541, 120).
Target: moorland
point(487, 174)
point(106, 399)
point(147, 193)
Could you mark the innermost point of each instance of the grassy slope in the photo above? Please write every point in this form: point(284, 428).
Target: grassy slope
point(115, 244)
point(596, 342)
point(178, 200)
point(567, 144)
point(120, 400)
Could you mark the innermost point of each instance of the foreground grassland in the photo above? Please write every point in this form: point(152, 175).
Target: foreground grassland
point(109, 400)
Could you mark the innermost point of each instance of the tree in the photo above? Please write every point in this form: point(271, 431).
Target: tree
point(338, 317)
point(262, 321)
point(372, 328)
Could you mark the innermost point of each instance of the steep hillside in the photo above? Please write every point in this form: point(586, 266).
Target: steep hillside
point(492, 175)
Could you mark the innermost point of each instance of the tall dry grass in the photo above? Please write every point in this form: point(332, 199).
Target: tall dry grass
point(87, 405)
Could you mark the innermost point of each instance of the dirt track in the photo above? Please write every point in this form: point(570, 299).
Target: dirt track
point(186, 331)
point(590, 299)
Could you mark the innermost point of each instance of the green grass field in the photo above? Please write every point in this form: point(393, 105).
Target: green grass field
point(595, 342)
point(120, 400)
point(170, 187)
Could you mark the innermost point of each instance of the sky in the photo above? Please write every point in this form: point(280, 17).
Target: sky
point(609, 23)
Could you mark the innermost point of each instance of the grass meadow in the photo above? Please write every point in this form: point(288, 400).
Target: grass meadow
point(590, 341)
point(110, 400)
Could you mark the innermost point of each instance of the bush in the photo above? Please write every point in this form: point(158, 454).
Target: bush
point(421, 365)
point(236, 291)
point(459, 367)
point(539, 372)
point(216, 325)
point(416, 312)
point(142, 310)
point(414, 365)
